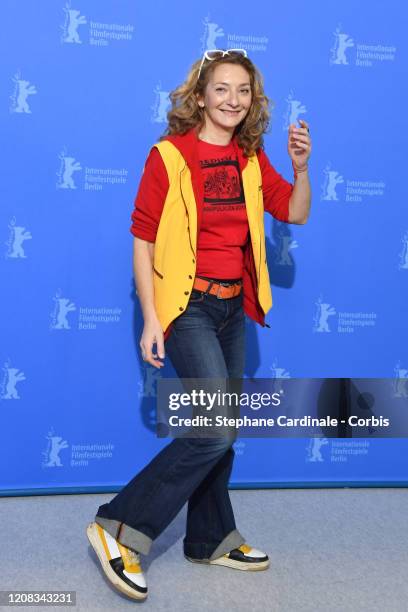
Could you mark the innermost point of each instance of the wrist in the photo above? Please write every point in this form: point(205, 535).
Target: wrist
point(150, 316)
point(299, 169)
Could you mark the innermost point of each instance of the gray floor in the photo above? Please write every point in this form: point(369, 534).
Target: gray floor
point(330, 549)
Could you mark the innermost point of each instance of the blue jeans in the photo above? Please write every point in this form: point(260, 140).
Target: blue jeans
point(207, 340)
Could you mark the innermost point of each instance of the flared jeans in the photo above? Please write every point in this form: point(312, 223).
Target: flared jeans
point(206, 341)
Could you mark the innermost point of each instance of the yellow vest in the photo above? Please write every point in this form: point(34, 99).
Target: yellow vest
point(175, 252)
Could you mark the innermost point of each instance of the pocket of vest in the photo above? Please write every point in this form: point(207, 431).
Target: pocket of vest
point(157, 272)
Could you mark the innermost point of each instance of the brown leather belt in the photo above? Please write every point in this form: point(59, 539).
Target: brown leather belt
point(221, 290)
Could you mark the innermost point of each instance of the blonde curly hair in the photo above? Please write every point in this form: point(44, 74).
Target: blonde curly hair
point(185, 112)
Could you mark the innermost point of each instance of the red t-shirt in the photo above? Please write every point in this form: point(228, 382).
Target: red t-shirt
point(224, 225)
point(154, 185)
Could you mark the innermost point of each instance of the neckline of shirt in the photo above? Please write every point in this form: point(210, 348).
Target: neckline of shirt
point(217, 146)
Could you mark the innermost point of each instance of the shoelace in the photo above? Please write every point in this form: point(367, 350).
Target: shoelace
point(130, 557)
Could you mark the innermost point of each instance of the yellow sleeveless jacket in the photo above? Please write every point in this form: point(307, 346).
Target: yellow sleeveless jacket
point(175, 252)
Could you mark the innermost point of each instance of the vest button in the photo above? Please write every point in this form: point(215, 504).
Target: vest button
point(186, 292)
point(193, 260)
point(181, 308)
point(189, 276)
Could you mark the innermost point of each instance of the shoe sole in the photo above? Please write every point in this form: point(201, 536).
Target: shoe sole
point(97, 545)
point(239, 565)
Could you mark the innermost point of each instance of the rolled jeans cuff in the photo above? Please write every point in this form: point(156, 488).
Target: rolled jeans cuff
point(129, 537)
point(202, 550)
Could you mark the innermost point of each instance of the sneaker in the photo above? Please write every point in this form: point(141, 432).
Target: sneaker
point(244, 557)
point(120, 564)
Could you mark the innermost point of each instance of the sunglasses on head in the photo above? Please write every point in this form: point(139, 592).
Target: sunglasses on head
point(212, 54)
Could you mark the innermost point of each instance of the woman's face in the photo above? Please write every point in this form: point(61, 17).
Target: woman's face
point(227, 97)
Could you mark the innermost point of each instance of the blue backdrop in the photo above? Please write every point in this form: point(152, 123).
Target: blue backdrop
point(85, 88)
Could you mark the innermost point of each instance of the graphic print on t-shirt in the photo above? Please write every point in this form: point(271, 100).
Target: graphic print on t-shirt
point(224, 226)
point(223, 188)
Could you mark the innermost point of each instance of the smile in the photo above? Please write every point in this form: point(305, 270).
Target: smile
point(229, 112)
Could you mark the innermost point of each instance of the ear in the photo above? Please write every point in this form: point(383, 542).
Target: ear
point(200, 100)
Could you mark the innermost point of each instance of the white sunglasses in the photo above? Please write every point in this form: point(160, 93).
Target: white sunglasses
point(211, 54)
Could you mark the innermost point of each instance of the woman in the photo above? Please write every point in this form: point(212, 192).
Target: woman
point(200, 266)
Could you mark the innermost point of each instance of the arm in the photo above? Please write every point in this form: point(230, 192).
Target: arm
point(299, 149)
point(276, 190)
point(285, 201)
point(143, 251)
point(299, 202)
point(145, 217)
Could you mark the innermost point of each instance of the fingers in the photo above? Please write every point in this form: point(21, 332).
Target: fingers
point(301, 137)
point(299, 130)
point(299, 142)
point(300, 145)
point(150, 358)
point(304, 123)
point(160, 348)
point(147, 352)
point(154, 362)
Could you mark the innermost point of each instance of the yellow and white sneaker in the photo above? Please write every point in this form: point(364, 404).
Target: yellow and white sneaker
point(244, 557)
point(120, 564)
